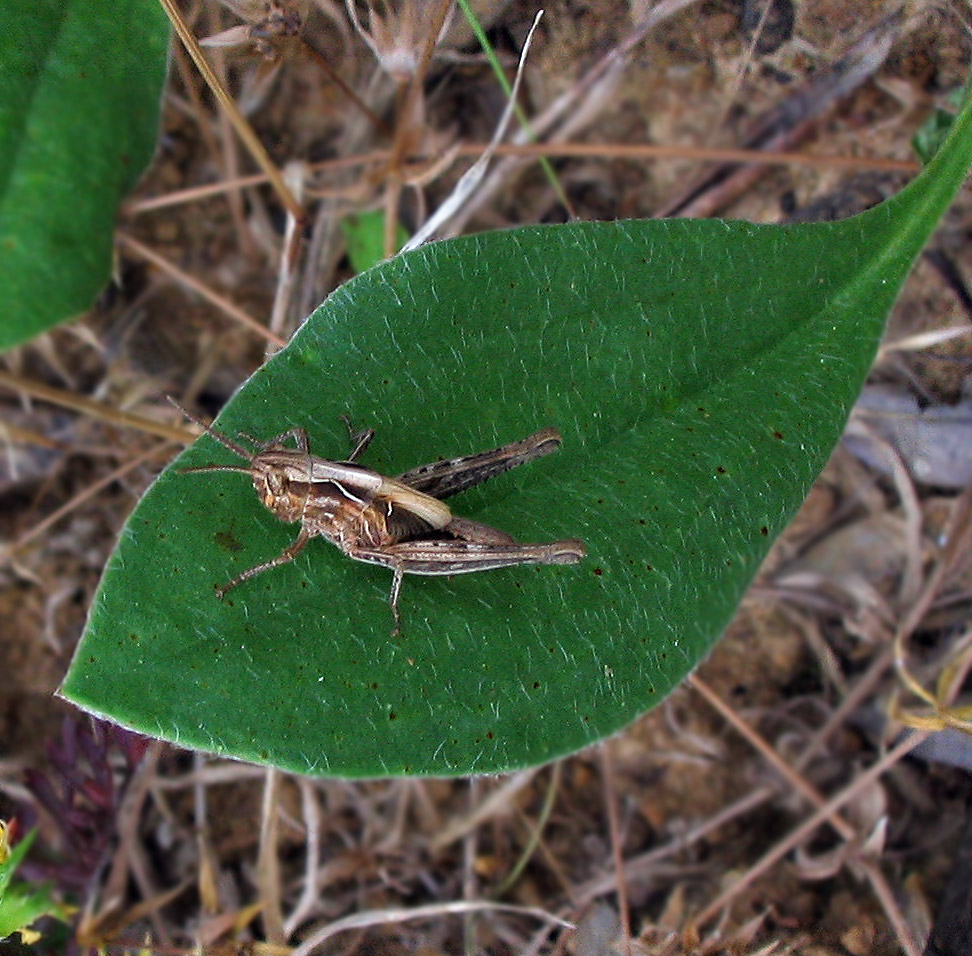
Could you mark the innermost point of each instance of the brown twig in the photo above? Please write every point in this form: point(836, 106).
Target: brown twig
point(617, 850)
point(183, 277)
point(95, 409)
point(799, 783)
point(630, 151)
point(807, 827)
point(7, 552)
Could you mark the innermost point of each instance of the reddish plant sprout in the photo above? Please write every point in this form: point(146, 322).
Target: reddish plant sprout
point(82, 792)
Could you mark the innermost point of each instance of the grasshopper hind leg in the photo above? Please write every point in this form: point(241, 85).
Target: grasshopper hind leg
point(396, 590)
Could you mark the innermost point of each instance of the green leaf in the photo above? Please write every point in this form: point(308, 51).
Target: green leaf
point(12, 858)
point(20, 904)
point(23, 906)
point(80, 88)
point(364, 232)
point(934, 131)
point(701, 373)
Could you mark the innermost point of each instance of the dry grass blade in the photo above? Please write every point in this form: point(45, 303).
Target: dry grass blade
point(805, 829)
point(99, 410)
point(9, 551)
point(221, 302)
point(788, 123)
point(397, 915)
point(958, 547)
point(941, 712)
point(470, 180)
point(242, 127)
point(799, 783)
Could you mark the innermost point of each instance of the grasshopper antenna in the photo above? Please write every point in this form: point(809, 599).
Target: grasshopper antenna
point(224, 440)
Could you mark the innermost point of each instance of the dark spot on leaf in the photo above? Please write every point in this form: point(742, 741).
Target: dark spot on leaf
point(598, 572)
point(642, 521)
point(720, 469)
point(778, 435)
point(764, 531)
point(392, 715)
point(649, 566)
point(600, 501)
point(227, 541)
point(536, 685)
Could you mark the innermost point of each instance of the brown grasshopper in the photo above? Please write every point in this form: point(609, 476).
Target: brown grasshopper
point(400, 523)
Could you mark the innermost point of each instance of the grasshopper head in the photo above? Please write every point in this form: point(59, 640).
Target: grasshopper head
point(278, 488)
point(280, 475)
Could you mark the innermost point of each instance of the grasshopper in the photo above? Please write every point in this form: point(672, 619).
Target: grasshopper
point(401, 523)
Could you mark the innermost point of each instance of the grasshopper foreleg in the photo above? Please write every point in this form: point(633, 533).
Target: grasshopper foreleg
point(360, 440)
point(285, 557)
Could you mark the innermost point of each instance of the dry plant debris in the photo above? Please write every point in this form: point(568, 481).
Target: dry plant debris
point(771, 806)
